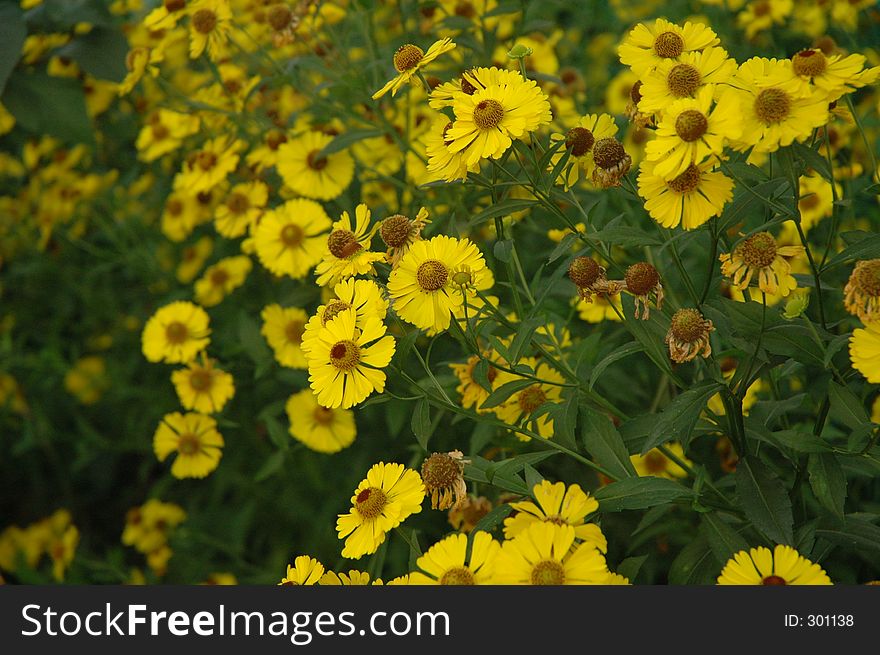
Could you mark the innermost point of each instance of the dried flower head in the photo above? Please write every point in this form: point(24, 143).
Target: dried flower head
point(643, 281)
point(443, 475)
point(688, 335)
point(612, 162)
point(862, 291)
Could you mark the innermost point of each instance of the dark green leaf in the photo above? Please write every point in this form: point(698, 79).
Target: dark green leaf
point(481, 374)
point(846, 407)
point(563, 247)
point(421, 423)
point(502, 208)
point(495, 516)
point(346, 139)
point(12, 35)
point(502, 250)
point(677, 420)
point(813, 159)
point(695, 564)
point(630, 567)
point(650, 334)
point(723, 539)
point(622, 351)
point(49, 105)
point(764, 499)
point(863, 245)
point(504, 392)
point(827, 481)
point(625, 236)
point(639, 493)
point(855, 534)
point(100, 53)
point(271, 466)
point(605, 445)
point(523, 336)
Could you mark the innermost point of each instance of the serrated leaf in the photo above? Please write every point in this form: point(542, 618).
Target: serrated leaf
point(827, 481)
point(677, 420)
point(639, 493)
point(605, 445)
point(855, 534)
point(846, 407)
point(621, 352)
point(765, 500)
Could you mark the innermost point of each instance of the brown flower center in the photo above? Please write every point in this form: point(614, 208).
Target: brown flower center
point(579, 140)
point(315, 161)
point(866, 277)
point(279, 17)
point(655, 462)
point(608, 152)
point(432, 275)
point(200, 380)
point(159, 131)
point(467, 87)
point(641, 278)
point(759, 250)
point(345, 355)
point(174, 207)
point(206, 160)
point(322, 415)
point(440, 471)
point(809, 63)
point(488, 114)
point(292, 235)
point(687, 325)
point(176, 332)
point(370, 502)
point(691, 125)
point(686, 181)
point(238, 203)
point(293, 332)
point(188, 444)
point(219, 277)
point(773, 580)
point(275, 139)
point(762, 8)
point(635, 92)
point(394, 230)
point(458, 576)
point(772, 105)
point(333, 309)
point(407, 57)
point(343, 243)
point(584, 271)
point(531, 399)
point(174, 5)
point(683, 80)
point(548, 572)
point(204, 21)
point(668, 45)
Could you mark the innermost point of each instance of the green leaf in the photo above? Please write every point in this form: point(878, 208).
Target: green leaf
point(695, 565)
point(346, 139)
point(504, 392)
point(502, 208)
point(677, 420)
point(812, 158)
point(563, 247)
point(604, 443)
point(481, 374)
point(630, 567)
point(827, 481)
point(63, 14)
point(855, 534)
point(650, 334)
point(502, 250)
point(622, 351)
point(846, 407)
point(523, 336)
point(723, 539)
point(495, 516)
point(625, 236)
point(795, 341)
point(800, 441)
point(863, 245)
point(765, 500)
point(252, 341)
point(277, 434)
point(271, 466)
point(421, 423)
point(639, 493)
point(12, 35)
point(49, 105)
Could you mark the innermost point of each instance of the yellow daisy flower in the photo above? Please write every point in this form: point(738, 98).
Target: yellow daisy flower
point(364, 296)
point(221, 279)
point(519, 407)
point(345, 361)
point(781, 566)
point(470, 81)
point(289, 239)
point(649, 45)
point(487, 121)
point(443, 163)
point(241, 209)
point(673, 80)
point(62, 550)
point(350, 579)
point(601, 308)
point(773, 108)
point(166, 15)
point(283, 328)
point(321, 429)
point(305, 571)
point(761, 15)
point(689, 199)
point(834, 75)
point(176, 333)
point(203, 388)
point(451, 562)
point(180, 216)
point(210, 23)
point(86, 380)
point(579, 142)
point(862, 291)
point(435, 277)
point(864, 351)
point(163, 133)
point(473, 394)
point(389, 494)
point(194, 438)
point(546, 554)
point(692, 131)
point(206, 168)
point(311, 174)
point(655, 463)
point(760, 254)
point(816, 199)
point(561, 505)
point(347, 251)
point(409, 59)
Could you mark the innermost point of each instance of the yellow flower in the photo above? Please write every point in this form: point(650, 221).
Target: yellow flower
point(283, 328)
point(473, 394)
point(310, 174)
point(546, 554)
point(203, 388)
point(816, 200)
point(221, 279)
point(194, 438)
point(181, 214)
point(864, 351)
point(560, 505)
point(862, 291)
point(409, 59)
point(487, 121)
point(364, 296)
point(350, 579)
point(193, 258)
point(61, 550)
point(289, 239)
point(147, 526)
point(176, 333)
point(649, 45)
point(347, 253)
point(692, 131)
point(345, 361)
point(434, 278)
point(206, 168)
point(520, 406)
point(305, 571)
point(469, 82)
point(655, 463)
point(774, 109)
point(241, 209)
point(760, 254)
point(451, 562)
point(834, 75)
point(87, 380)
point(601, 308)
point(579, 142)
point(783, 566)
point(210, 23)
point(443, 163)
point(389, 494)
point(760, 15)
point(321, 429)
point(689, 199)
point(399, 232)
point(676, 79)
point(164, 132)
